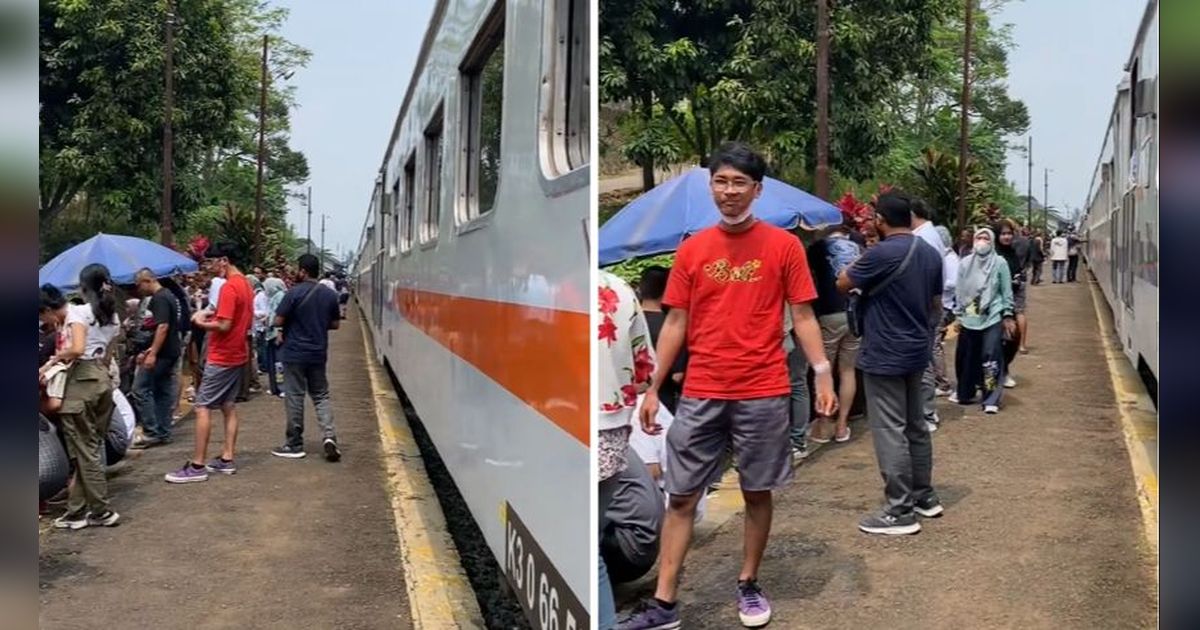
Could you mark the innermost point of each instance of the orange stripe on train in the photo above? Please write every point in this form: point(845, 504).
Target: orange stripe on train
point(540, 355)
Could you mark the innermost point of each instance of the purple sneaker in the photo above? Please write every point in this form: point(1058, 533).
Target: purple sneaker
point(188, 474)
point(753, 607)
point(649, 615)
point(219, 465)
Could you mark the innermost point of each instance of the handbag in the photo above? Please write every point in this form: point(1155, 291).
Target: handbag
point(53, 465)
point(855, 299)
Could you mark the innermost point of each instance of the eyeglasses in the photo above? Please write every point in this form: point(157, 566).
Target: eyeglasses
point(736, 185)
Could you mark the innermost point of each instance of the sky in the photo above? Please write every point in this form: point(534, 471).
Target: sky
point(349, 95)
point(1070, 55)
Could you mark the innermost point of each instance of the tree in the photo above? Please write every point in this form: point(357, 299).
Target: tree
point(102, 107)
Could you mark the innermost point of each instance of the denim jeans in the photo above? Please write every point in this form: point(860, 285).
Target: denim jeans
point(154, 396)
point(270, 350)
point(801, 409)
point(1058, 271)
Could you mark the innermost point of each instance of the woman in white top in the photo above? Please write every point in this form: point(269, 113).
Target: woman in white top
point(949, 282)
point(87, 405)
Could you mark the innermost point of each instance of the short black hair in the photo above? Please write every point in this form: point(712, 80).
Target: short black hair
point(310, 265)
point(896, 208)
point(653, 283)
point(225, 249)
point(739, 156)
point(52, 299)
point(922, 209)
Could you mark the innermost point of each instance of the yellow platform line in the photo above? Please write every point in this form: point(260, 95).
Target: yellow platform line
point(439, 594)
point(1139, 421)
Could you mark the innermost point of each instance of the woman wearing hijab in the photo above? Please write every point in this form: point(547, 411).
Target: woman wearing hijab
point(950, 263)
point(87, 404)
point(274, 288)
point(984, 307)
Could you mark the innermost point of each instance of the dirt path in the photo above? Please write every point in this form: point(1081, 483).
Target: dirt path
point(282, 544)
point(1042, 528)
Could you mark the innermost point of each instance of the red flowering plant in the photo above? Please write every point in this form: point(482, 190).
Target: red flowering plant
point(198, 247)
point(855, 213)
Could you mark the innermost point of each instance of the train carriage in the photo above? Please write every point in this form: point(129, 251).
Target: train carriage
point(473, 272)
point(1121, 211)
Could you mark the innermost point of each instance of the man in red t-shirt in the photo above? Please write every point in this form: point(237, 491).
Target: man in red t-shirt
point(725, 293)
point(228, 352)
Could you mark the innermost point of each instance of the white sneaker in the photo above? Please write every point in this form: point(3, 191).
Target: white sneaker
point(1010, 382)
point(932, 427)
point(942, 392)
point(953, 397)
point(991, 409)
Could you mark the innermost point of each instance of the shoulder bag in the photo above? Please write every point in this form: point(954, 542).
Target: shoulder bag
point(855, 307)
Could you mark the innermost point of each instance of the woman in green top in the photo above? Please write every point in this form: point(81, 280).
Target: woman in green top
point(985, 315)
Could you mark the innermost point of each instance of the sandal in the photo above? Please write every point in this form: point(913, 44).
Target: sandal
point(812, 433)
point(844, 438)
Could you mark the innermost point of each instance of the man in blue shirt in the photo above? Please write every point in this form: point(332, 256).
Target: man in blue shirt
point(901, 282)
point(304, 317)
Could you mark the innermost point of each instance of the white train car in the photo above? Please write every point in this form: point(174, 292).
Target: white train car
point(1121, 220)
point(473, 271)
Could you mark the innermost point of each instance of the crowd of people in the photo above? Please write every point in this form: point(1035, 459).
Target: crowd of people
point(708, 364)
point(110, 366)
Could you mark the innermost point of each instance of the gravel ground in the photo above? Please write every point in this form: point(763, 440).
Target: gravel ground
point(283, 543)
point(1042, 527)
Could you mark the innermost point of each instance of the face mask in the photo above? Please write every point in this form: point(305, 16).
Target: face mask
point(983, 248)
point(737, 219)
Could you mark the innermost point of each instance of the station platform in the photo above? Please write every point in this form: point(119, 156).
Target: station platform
point(1047, 522)
point(281, 544)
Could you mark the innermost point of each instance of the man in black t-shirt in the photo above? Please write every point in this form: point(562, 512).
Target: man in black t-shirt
point(308, 311)
point(155, 388)
point(895, 351)
point(651, 286)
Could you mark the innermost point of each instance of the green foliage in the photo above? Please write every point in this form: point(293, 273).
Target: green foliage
point(103, 101)
point(631, 270)
point(650, 141)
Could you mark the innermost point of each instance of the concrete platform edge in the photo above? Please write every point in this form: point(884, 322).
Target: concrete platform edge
point(439, 593)
point(1139, 420)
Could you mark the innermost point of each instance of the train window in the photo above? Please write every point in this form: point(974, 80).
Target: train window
point(410, 215)
point(433, 176)
point(482, 110)
point(566, 87)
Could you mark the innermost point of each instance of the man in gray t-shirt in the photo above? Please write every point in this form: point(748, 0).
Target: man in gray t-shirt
point(629, 543)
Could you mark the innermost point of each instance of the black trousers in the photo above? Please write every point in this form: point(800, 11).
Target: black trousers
point(1072, 267)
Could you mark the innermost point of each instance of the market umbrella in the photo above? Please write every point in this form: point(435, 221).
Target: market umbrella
point(123, 255)
point(658, 221)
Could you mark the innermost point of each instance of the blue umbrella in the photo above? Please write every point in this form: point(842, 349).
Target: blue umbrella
point(123, 255)
point(658, 221)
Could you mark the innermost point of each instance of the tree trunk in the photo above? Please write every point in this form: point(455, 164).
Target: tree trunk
point(648, 165)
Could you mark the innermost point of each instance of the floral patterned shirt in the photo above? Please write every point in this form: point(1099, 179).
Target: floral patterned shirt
point(626, 367)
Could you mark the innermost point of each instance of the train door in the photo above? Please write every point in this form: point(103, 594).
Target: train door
point(377, 289)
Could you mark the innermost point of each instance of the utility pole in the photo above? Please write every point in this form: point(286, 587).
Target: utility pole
point(262, 130)
point(168, 235)
point(322, 254)
point(1045, 195)
point(822, 179)
point(1029, 194)
point(309, 237)
point(966, 107)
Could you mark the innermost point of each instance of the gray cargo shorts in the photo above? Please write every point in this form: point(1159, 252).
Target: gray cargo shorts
point(219, 385)
point(697, 441)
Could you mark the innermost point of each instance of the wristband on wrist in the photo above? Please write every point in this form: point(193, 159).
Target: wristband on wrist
point(822, 368)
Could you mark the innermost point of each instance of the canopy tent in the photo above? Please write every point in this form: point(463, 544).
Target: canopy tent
point(123, 255)
point(659, 220)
